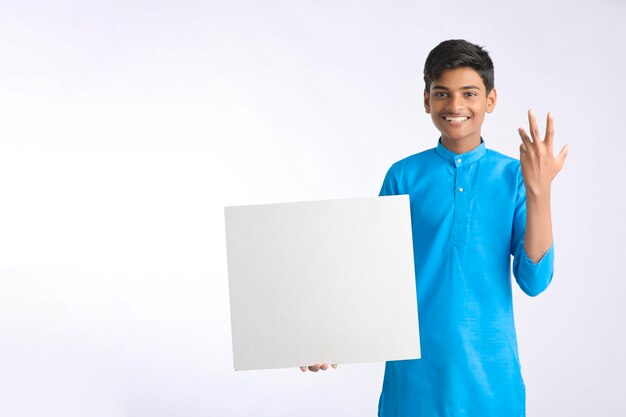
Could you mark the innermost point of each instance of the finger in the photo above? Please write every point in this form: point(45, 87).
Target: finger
point(303, 368)
point(549, 132)
point(334, 365)
point(525, 139)
point(534, 130)
point(562, 156)
point(324, 367)
point(522, 148)
point(314, 368)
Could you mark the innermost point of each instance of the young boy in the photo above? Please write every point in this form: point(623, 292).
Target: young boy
point(471, 209)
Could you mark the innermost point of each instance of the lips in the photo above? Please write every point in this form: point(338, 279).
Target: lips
point(457, 119)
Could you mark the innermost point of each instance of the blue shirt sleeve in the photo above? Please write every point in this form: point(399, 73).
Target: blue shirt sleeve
point(390, 184)
point(532, 277)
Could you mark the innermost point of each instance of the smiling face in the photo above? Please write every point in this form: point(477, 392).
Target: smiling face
point(457, 102)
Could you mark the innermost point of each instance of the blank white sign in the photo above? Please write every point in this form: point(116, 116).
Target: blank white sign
point(323, 281)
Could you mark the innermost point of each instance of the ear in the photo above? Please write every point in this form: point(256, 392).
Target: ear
point(427, 101)
point(491, 100)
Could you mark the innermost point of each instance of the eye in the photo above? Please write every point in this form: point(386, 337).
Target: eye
point(471, 94)
point(441, 94)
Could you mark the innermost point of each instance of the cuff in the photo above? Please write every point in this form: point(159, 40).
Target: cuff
point(547, 257)
point(534, 277)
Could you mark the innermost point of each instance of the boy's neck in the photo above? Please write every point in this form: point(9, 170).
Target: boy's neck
point(460, 146)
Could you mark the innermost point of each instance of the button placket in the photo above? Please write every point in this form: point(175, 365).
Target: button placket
point(460, 203)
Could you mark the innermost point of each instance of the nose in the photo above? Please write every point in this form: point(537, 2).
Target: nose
point(456, 101)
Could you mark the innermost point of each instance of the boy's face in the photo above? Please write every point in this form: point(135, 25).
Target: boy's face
point(457, 102)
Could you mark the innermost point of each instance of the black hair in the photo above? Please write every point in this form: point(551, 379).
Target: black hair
point(456, 53)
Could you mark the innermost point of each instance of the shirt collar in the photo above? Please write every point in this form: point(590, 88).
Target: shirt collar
point(459, 160)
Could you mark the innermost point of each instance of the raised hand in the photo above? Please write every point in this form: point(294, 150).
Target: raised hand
point(539, 166)
point(317, 367)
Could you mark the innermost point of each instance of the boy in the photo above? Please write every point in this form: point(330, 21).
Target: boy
point(471, 209)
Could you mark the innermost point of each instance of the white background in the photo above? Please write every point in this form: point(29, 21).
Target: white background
point(127, 126)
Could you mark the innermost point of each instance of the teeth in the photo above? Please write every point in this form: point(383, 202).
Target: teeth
point(456, 119)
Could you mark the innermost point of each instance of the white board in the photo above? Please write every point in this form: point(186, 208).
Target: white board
point(322, 282)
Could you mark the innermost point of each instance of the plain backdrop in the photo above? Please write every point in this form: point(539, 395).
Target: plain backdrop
point(127, 126)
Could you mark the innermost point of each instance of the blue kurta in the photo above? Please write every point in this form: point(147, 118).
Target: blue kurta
point(468, 215)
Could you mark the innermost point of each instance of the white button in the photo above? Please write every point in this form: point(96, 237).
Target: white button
point(459, 160)
point(461, 189)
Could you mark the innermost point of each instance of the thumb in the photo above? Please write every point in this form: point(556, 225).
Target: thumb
point(562, 155)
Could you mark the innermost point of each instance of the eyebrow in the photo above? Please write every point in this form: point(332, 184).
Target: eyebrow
point(467, 87)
